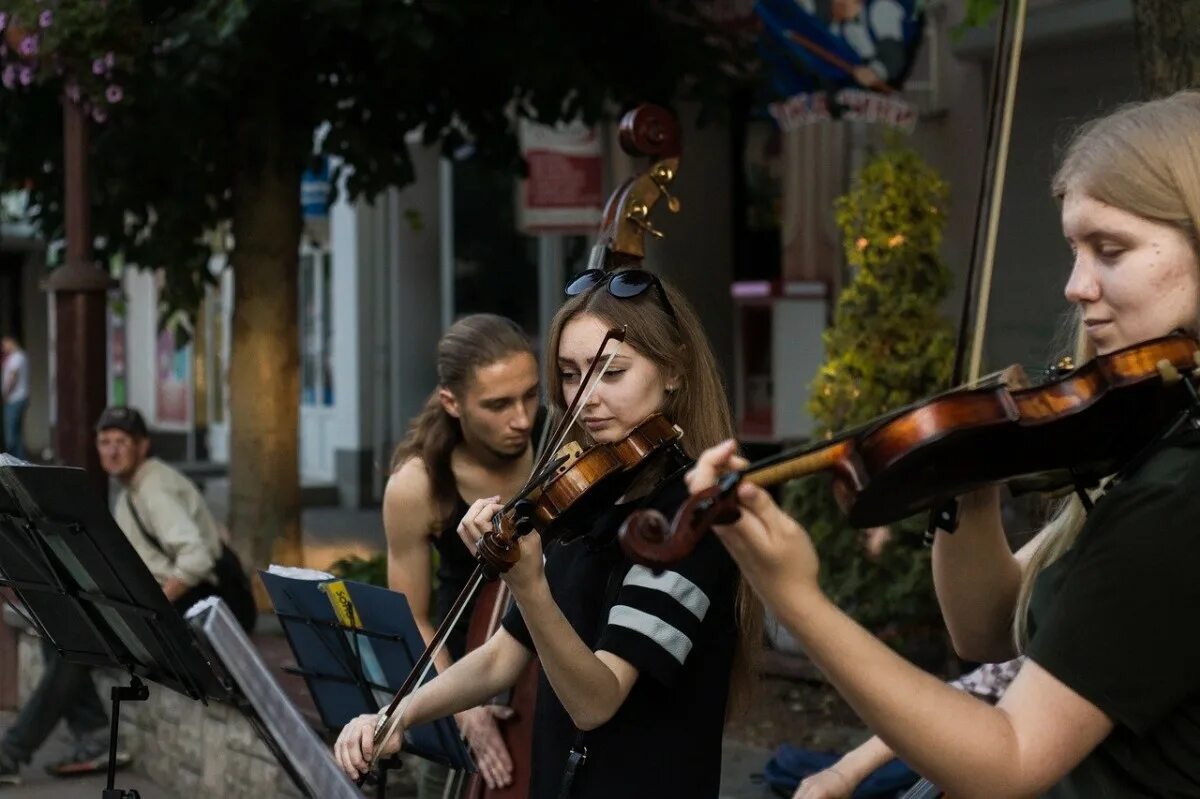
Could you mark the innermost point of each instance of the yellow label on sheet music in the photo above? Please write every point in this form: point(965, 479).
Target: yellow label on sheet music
point(343, 605)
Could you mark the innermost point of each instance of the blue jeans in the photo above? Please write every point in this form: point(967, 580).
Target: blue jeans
point(65, 692)
point(14, 414)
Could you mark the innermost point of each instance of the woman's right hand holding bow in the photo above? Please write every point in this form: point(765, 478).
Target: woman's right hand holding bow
point(355, 746)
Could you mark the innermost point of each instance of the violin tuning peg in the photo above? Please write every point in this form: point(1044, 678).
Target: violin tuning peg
point(1170, 375)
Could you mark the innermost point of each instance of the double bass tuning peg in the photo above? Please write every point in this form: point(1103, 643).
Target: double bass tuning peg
point(639, 214)
point(662, 177)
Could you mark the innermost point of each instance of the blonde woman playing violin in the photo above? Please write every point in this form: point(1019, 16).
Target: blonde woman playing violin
point(1108, 702)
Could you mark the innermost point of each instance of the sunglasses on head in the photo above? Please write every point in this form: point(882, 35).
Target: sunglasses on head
point(622, 285)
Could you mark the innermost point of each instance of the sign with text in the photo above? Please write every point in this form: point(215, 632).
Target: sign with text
point(564, 192)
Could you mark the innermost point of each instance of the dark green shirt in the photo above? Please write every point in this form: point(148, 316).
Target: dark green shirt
point(1117, 619)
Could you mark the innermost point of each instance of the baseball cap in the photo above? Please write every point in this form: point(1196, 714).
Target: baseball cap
point(120, 417)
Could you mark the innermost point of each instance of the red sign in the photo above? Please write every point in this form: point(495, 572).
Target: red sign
point(564, 192)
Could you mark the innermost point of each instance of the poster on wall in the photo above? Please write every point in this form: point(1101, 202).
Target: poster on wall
point(172, 370)
point(117, 363)
point(564, 191)
point(839, 59)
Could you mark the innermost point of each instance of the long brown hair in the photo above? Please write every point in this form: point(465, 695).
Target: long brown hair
point(1144, 158)
point(678, 347)
point(467, 345)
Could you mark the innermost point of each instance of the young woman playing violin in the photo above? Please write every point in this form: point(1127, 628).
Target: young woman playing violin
point(636, 666)
point(1108, 702)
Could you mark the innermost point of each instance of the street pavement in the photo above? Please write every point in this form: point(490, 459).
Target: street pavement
point(740, 762)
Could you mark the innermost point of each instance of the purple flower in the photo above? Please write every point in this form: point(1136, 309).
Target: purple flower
point(98, 66)
point(9, 77)
point(110, 60)
point(113, 94)
point(25, 76)
point(100, 115)
point(46, 19)
point(3, 20)
point(29, 46)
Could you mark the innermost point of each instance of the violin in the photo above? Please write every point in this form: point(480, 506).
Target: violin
point(576, 479)
point(1069, 432)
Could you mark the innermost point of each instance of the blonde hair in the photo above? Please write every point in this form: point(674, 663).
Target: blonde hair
point(679, 348)
point(1144, 158)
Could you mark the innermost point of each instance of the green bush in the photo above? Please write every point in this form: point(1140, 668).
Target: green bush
point(372, 570)
point(888, 346)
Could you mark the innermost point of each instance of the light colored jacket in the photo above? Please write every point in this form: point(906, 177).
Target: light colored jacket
point(175, 513)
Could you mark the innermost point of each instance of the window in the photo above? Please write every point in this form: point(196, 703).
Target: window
point(316, 328)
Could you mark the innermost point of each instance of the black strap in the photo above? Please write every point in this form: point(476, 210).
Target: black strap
point(214, 580)
point(579, 752)
point(575, 759)
point(141, 526)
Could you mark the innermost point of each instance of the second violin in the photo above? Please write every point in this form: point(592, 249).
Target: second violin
point(1069, 432)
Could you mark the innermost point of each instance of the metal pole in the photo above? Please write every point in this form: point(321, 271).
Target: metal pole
point(446, 236)
point(550, 281)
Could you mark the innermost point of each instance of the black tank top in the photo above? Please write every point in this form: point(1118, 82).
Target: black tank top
point(455, 564)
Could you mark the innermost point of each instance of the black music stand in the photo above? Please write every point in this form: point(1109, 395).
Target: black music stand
point(351, 670)
point(89, 594)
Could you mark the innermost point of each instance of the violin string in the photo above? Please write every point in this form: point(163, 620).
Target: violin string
point(806, 449)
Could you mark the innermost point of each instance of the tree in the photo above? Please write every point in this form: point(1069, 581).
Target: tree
point(888, 346)
point(206, 112)
point(1168, 41)
point(1168, 37)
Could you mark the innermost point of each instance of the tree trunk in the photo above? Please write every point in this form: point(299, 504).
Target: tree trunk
point(1168, 42)
point(264, 382)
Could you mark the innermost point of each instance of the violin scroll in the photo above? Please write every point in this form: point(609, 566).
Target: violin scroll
point(647, 538)
point(498, 550)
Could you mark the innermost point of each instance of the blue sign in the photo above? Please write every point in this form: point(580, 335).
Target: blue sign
point(827, 45)
point(315, 192)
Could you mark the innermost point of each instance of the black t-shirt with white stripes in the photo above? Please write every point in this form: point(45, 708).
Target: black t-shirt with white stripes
point(677, 628)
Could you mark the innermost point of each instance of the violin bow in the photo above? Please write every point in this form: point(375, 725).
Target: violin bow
point(1010, 37)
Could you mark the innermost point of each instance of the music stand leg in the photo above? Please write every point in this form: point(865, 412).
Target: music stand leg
point(135, 692)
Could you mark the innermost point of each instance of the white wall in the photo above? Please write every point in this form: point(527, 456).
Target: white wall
point(141, 337)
